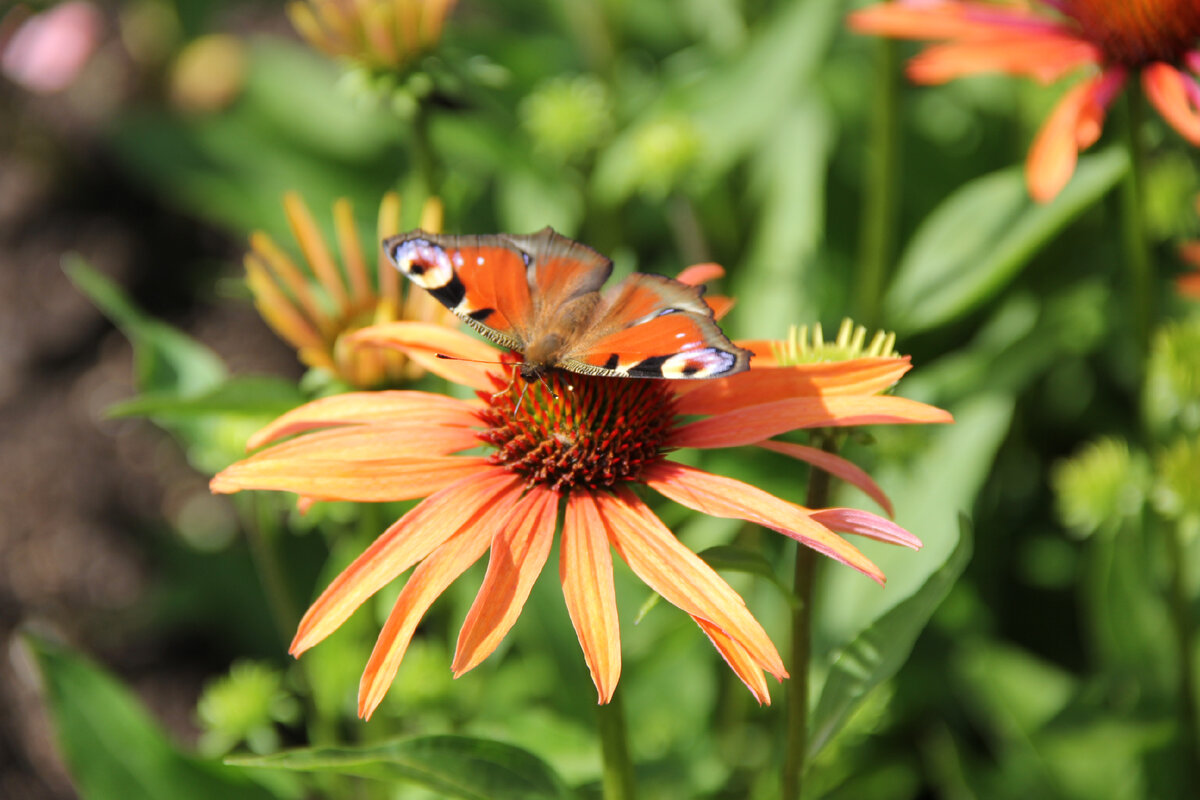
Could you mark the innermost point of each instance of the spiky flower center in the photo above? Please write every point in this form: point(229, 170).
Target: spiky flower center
point(1135, 33)
point(566, 430)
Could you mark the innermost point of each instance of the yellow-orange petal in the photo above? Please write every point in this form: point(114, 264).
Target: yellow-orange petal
point(836, 466)
point(408, 540)
point(1055, 150)
point(361, 407)
point(424, 342)
point(380, 440)
point(752, 424)
point(719, 496)
point(764, 383)
point(373, 481)
point(740, 661)
point(428, 581)
point(682, 577)
point(316, 252)
point(519, 551)
point(585, 570)
point(277, 308)
point(352, 252)
point(290, 277)
point(1166, 90)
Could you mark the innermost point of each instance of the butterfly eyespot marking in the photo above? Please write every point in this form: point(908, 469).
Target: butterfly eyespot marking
point(430, 267)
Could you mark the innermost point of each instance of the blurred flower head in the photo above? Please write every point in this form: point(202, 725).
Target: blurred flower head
point(569, 441)
point(46, 52)
point(1176, 488)
point(664, 150)
point(378, 34)
point(1100, 486)
point(1172, 388)
point(568, 117)
point(244, 706)
point(209, 73)
point(317, 309)
point(1109, 40)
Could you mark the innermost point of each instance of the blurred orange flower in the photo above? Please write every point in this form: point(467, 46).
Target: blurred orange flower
point(1188, 284)
point(315, 311)
point(568, 440)
point(1114, 38)
point(381, 34)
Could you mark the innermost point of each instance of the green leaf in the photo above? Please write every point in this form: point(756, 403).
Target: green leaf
point(974, 243)
point(165, 360)
point(251, 396)
point(457, 766)
point(877, 653)
point(114, 750)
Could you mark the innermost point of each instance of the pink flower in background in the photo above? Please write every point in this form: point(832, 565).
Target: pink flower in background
point(48, 51)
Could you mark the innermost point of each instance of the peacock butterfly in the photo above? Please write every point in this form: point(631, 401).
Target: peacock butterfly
point(541, 295)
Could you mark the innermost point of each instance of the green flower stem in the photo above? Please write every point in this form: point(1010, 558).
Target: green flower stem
point(424, 160)
point(880, 210)
point(614, 746)
point(819, 483)
point(261, 535)
point(1181, 617)
point(1138, 259)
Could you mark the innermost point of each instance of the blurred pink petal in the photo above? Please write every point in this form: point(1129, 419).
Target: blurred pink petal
point(48, 51)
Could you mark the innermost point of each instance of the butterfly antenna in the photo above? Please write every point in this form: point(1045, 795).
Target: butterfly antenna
point(520, 399)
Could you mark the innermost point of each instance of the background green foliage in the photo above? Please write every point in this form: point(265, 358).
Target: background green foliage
point(1012, 657)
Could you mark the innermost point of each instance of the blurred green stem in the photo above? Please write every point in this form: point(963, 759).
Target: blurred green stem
point(424, 160)
point(1181, 617)
point(880, 209)
point(262, 534)
point(1138, 258)
point(797, 692)
point(614, 745)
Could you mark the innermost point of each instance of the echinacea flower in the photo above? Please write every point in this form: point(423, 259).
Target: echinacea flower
point(316, 312)
point(379, 34)
point(569, 441)
point(1110, 39)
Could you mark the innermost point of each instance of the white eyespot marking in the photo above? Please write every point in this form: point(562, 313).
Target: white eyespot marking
point(701, 364)
point(479, 260)
point(424, 262)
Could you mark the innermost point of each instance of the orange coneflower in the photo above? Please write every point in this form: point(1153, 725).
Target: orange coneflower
point(376, 33)
point(572, 441)
point(1113, 38)
point(315, 312)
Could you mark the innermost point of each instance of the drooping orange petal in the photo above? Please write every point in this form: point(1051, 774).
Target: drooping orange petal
point(352, 253)
point(1045, 57)
point(949, 19)
point(519, 551)
point(279, 263)
point(765, 383)
point(681, 577)
point(1166, 89)
point(719, 496)
point(407, 541)
point(864, 523)
point(388, 225)
point(423, 342)
point(836, 466)
point(697, 274)
point(752, 424)
point(277, 308)
point(738, 660)
point(370, 481)
point(720, 304)
point(1055, 150)
point(361, 407)
point(428, 581)
point(585, 569)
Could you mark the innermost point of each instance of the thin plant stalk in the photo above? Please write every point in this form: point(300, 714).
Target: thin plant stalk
point(1139, 261)
point(819, 483)
point(614, 746)
point(1181, 618)
point(880, 210)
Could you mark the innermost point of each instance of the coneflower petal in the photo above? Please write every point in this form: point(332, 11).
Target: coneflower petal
point(836, 466)
point(369, 481)
point(585, 569)
point(740, 661)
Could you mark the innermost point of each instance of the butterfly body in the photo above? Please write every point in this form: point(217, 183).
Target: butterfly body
point(542, 295)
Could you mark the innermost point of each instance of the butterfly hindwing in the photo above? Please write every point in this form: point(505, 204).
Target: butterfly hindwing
point(654, 327)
